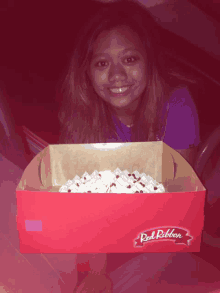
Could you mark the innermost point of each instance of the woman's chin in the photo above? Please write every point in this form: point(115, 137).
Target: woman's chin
point(126, 109)
point(120, 103)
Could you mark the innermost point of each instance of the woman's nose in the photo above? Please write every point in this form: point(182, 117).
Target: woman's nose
point(117, 72)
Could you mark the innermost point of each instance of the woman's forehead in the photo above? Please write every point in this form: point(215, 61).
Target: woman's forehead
point(120, 37)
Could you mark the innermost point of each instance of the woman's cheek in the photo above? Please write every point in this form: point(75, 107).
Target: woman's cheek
point(104, 77)
point(138, 73)
point(100, 77)
point(135, 73)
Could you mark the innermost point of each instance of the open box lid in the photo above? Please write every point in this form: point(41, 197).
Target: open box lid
point(56, 164)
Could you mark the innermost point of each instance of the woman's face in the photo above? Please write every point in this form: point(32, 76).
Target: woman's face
point(118, 68)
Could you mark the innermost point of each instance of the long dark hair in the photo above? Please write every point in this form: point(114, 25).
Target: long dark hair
point(84, 116)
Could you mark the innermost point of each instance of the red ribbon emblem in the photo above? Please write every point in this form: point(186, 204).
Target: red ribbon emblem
point(165, 233)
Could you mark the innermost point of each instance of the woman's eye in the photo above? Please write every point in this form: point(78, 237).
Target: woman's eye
point(101, 64)
point(131, 59)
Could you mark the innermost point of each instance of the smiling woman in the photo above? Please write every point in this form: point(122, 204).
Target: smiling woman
point(121, 87)
point(118, 71)
point(118, 86)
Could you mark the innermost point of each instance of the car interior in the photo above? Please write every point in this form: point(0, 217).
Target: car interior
point(29, 105)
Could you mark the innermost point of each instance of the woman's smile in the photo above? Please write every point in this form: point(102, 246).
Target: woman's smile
point(120, 92)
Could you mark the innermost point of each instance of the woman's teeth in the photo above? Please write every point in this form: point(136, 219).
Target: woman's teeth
point(119, 90)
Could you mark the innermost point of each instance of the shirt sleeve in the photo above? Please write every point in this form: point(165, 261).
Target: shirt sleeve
point(182, 130)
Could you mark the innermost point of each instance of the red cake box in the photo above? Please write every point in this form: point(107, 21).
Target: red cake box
point(49, 221)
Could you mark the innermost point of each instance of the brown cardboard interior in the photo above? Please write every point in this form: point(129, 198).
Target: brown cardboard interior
point(58, 163)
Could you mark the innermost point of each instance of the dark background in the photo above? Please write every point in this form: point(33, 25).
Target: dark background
point(37, 38)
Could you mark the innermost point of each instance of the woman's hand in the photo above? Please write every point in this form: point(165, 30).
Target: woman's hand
point(96, 283)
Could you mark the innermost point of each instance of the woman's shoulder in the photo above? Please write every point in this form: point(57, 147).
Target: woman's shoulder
point(182, 129)
point(181, 101)
point(180, 95)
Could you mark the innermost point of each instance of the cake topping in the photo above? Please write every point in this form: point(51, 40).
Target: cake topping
point(113, 182)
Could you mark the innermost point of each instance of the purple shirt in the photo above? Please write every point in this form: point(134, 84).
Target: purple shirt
point(182, 128)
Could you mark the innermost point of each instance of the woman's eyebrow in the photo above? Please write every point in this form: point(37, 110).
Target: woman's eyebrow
point(128, 49)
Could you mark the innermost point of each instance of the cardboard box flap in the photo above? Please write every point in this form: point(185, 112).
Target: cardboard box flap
point(37, 175)
point(185, 178)
point(58, 163)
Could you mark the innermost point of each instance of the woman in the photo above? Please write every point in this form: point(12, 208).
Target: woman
point(120, 87)
point(84, 107)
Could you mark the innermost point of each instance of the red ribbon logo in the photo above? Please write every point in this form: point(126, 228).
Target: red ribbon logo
point(165, 233)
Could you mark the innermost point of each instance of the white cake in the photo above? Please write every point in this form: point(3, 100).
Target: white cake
point(113, 182)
